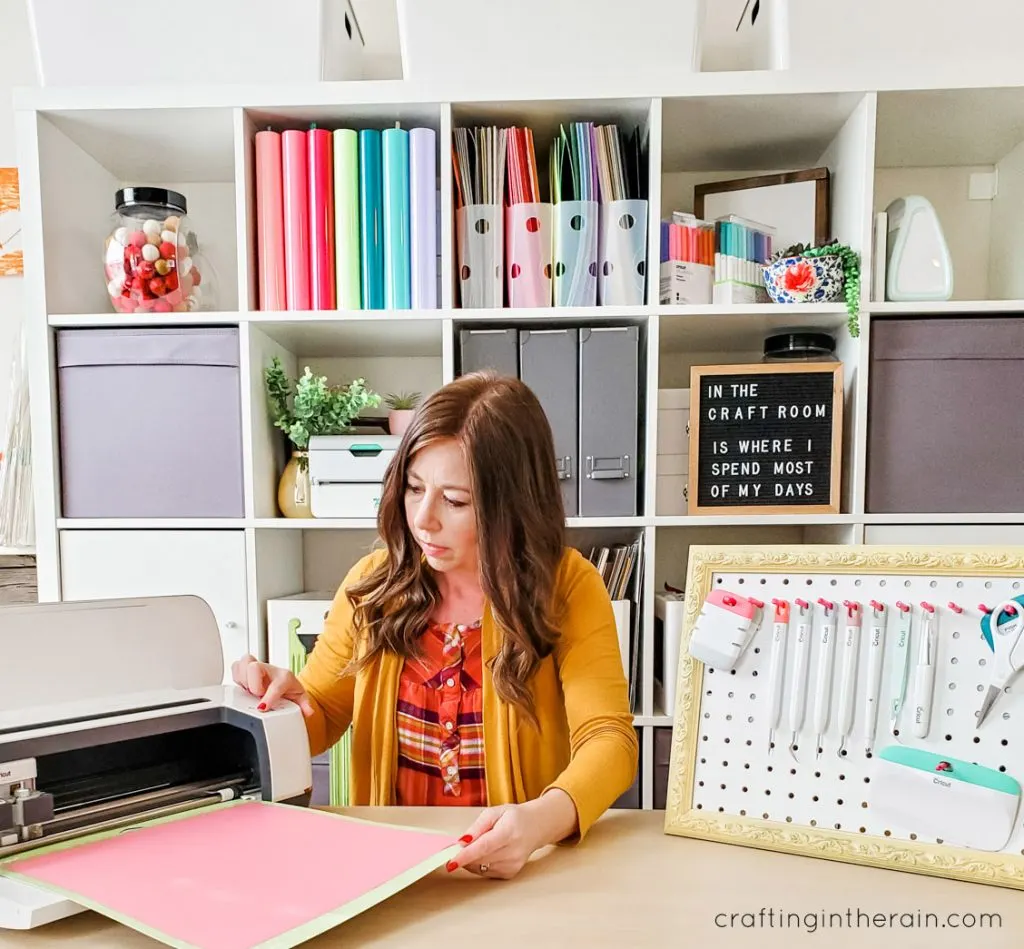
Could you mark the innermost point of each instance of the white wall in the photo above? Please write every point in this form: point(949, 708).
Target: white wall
point(17, 68)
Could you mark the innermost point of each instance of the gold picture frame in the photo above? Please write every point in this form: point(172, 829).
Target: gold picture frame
point(682, 819)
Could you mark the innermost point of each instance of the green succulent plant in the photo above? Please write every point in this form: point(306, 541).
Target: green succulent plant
point(402, 400)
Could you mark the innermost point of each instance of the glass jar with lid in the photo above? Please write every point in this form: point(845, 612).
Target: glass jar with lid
point(151, 256)
point(799, 346)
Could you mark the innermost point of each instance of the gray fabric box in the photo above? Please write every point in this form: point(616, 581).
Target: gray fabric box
point(150, 422)
point(945, 425)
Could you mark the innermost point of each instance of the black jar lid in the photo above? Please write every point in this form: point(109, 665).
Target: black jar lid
point(144, 199)
point(799, 345)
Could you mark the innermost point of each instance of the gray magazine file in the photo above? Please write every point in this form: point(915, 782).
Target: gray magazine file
point(548, 361)
point(496, 349)
point(609, 399)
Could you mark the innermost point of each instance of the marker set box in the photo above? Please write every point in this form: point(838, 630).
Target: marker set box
point(849, 703)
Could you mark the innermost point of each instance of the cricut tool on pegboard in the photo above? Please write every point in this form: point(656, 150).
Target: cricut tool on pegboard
point(924, 674)
point(724, 628)
point(801, 666)
point(873, 681)
point(900, 665)
point(776, 673)
point(823, 680)
point(848, 674)
point(1005, 637)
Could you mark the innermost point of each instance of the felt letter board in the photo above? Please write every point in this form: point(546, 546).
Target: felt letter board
point(766, 438)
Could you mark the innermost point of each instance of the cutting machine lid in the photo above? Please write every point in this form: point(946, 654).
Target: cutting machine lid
point(55, 653)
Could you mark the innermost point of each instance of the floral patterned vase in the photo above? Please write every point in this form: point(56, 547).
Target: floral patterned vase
point(805, 279)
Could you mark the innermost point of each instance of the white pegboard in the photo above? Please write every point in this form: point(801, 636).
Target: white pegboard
point(736, 774)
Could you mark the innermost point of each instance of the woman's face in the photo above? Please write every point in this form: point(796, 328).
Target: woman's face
point(439, 507)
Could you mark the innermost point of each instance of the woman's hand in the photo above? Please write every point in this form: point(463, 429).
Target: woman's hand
point(271, 683)
point(503, 838)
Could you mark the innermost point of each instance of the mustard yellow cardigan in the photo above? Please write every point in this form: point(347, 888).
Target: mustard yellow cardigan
point(586, 744)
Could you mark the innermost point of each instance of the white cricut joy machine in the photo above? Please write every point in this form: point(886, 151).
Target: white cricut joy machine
point(114, 711)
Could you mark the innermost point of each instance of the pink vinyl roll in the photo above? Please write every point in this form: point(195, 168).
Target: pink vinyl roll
point(321, 219)
point(270, 221)
point(294, 176)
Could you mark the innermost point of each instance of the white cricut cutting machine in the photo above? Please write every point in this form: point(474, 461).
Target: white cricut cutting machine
point(114, 711)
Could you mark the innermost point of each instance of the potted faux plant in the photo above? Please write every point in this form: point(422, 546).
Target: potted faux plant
point(402, 407)
point(303, 408)
point(804, 273)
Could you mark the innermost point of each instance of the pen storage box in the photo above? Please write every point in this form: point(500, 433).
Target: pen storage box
point(480, 245)
point(945, 431)
point(150, 422)
point(528, 254)
point(574, 231)
point(938, 797)
point(622, 253)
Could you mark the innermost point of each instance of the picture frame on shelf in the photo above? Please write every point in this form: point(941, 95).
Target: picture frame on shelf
point(797, 204)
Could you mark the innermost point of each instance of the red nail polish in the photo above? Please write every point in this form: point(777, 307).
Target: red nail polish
point(262, 707)
point(466, 839)
point(451, 865)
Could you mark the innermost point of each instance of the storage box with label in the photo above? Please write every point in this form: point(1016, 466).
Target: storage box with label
point(346, 473)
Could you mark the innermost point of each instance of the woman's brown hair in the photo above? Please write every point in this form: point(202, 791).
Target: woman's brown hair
point(520, 521)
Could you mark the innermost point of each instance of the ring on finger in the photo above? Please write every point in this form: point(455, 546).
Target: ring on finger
point(484, 867)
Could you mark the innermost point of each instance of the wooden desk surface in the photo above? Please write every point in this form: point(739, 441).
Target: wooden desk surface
point(629, 885)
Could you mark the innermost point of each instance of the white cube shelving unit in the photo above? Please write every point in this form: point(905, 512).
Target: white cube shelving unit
point(878, 136)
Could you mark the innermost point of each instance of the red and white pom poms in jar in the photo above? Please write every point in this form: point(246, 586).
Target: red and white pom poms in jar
point(150, 258)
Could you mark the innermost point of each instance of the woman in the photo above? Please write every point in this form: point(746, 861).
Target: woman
point(476, 656)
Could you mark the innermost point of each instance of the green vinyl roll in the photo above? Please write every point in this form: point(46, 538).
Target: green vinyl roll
point(346, 218)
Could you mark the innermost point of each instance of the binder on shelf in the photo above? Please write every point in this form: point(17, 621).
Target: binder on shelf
point(609, 359)
point(346, 219)
point(527, 227)
point(395, 212)
point(574, 215)
point(496, 349)
point(548, 361)
point(622, 253)
point(480, 238)
point(371, 221)
point(574, 231)
point(528, 254)
point(478, 160)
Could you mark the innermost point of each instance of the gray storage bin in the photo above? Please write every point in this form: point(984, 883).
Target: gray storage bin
point(150, 422)
point(945, 427)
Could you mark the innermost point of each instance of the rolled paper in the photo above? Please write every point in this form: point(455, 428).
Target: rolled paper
point(270, 221)
point(423, 218)
point(321, 219)
point(395, 161)
point(371, 225)
point(296, 218)
point(346, 219)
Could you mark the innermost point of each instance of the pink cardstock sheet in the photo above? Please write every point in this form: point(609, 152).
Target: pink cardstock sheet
point(244, 875)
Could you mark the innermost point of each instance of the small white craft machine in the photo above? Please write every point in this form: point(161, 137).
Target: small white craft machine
point(113, 712)
point(346, 473)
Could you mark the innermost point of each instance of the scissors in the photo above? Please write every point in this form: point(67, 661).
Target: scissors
point(1003, 630)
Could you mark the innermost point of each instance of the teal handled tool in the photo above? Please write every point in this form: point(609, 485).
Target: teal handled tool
point(1003, 631)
